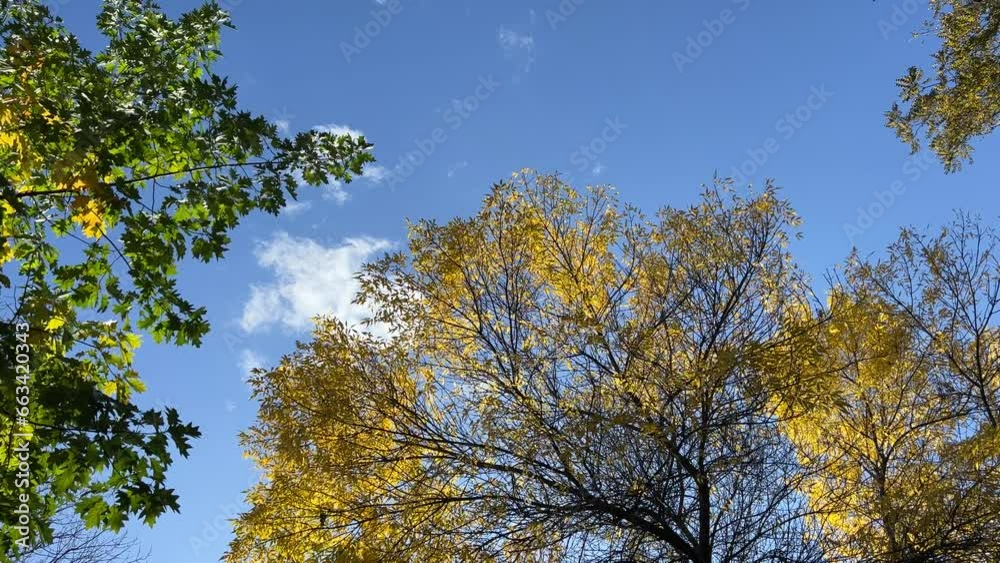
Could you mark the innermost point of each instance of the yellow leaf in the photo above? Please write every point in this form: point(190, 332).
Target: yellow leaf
point(6, 252)
point(7, 139)
point(87, 213)
point(109, 387)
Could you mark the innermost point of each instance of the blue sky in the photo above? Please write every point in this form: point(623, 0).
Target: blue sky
point(653, 97)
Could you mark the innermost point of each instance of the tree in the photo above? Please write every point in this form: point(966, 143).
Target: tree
point(563, 380)
point(887, 480)
point(73, 542)
point(946, 285)
point(114, 167)
point(897, 423)
point(959, 100)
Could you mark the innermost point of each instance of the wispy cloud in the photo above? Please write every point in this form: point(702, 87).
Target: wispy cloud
point(598, 169)
point(454, 168)
point(517, 46)
point(282, 119)
point(335, 192)
point(295, 207)
point(375, 173)
point(309, 279)
point(249, 361)
point(513, 41)
point(339, 129)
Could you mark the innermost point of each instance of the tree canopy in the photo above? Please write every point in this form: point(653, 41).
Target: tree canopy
point(557, 377)
point(566, 379)
point(958, 99)
point(115, 165)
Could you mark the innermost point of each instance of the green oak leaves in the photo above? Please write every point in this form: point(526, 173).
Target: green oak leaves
point(115, 166)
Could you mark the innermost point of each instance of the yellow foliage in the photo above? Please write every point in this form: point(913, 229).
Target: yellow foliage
point(553, 330)
point(872, 432)
point(6, 252)
point(88, 212)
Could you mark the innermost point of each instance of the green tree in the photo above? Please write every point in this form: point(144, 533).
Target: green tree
point(958, 99)
point(115, 166)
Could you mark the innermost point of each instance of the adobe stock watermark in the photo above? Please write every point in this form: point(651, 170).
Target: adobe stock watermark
point(381, 17)
point(901, 13)
point(221, 525)
point(21, 434)
point(882, 200)
point(787, 127)
point(586, 155)
point(714, 28)
point(563, 11)
point(455, 116)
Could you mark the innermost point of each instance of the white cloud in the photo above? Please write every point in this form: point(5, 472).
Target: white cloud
point(372, 174)
point(339, 129)
point(282, 119)
point(375, 173)
point(511, 40)
point(295, 207)
point(335, 191)
point(249, 361)
point(454, 168)
point(309, 279)
point(518, 47)
point(597, 169)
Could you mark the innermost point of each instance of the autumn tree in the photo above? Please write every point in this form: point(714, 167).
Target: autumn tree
point(946, 285)
point(883, 445)
point(893, 416)
point(958, 99)
point(563, 379)
point(115, 166)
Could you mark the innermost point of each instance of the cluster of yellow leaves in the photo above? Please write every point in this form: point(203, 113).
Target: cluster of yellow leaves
point(881, 447)
point(507, 321)
point(72, 177)
point(334, 468)
point(88, 213)
point(550, 242)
